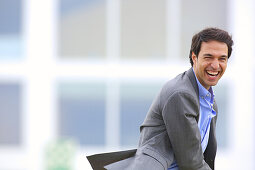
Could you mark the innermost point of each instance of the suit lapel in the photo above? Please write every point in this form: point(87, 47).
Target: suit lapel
point(193, 81)
point(210, 152)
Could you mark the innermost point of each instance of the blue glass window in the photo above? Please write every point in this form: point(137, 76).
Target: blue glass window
point(221, 96)
point(10, 114)
point(11, 44)
point(82, 112)
point(135, 102)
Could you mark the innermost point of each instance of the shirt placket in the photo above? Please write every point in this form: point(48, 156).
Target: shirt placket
point(207, 122)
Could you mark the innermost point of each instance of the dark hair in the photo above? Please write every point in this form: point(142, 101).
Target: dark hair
point(210, 34)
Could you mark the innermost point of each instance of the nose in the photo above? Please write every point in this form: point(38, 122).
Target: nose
point(215, 64)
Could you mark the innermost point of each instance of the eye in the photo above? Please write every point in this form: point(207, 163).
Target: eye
point(207, 57)
point(223, 59)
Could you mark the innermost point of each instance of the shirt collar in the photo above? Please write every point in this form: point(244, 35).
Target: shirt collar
point(203, 92)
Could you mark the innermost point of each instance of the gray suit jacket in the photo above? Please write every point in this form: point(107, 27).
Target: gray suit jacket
point(170, 132)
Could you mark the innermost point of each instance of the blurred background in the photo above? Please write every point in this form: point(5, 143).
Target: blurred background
point(77, 77)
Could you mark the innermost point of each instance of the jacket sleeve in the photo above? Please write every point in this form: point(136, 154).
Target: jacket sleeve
point(179, 113)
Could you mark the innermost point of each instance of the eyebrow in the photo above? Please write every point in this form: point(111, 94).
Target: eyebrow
point(224, 56)
point(208, 54)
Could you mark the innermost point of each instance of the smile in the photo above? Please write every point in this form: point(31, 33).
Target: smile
point(212, 73)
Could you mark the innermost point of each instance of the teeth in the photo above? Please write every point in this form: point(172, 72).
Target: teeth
point(213, 73)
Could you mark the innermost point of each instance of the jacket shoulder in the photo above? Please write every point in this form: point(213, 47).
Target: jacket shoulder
point(183, 84)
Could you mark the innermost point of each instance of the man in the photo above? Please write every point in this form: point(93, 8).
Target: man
point(178, 132)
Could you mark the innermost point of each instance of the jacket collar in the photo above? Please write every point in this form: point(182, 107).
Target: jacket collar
point(193, 81)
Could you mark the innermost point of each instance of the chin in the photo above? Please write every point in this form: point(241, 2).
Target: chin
point(213, 84)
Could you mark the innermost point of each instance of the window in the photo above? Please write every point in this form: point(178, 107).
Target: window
point(143, 29)
point(11, 44)
point(135, 102)
point(81, 112)
point(195, 16)
point(10, 114)
point(221, 96)
point(82, 28)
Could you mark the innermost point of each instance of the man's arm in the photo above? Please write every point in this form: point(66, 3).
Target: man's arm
point(179, 114)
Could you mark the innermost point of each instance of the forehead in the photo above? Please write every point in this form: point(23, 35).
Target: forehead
point(214, 47)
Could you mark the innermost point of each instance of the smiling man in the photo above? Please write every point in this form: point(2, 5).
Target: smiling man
point(211, 62)
point(178, 132)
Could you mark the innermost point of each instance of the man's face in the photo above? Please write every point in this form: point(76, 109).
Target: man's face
point(211, 62)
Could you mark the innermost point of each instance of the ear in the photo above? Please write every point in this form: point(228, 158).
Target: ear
point(194, 57)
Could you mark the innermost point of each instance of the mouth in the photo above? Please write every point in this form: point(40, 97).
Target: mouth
point(212, 73)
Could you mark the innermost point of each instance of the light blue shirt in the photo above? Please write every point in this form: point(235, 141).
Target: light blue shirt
point(207, 112)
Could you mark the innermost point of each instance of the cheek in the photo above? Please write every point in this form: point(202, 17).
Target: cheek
point(202, 66)
point(223, 66)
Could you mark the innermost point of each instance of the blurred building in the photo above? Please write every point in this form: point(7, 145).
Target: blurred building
point(87, 71)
